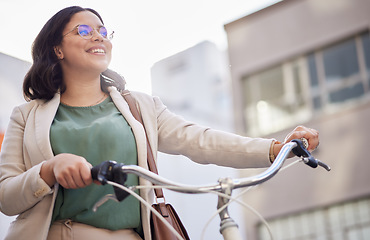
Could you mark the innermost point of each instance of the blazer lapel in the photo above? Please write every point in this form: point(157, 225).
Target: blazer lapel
point(44, 117)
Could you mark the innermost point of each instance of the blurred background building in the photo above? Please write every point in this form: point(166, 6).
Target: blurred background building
point(195, 84)
point(295, 62)
point(307, 62)
point(12, 71)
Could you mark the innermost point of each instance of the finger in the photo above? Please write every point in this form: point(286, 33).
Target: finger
point(71, 182)
point(77, 181)
point(295, 135)
point(313, 139)
point(69, 177)
point(89, 165)
point(310, 134)
point(62, 182)
point(81, 176)
point(85, 174)
point(66, 182)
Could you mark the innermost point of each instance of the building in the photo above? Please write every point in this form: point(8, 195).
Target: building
point(12, 72)
point(195, 84)
point(307, 62)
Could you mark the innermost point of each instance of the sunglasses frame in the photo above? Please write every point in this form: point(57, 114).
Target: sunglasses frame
point(109, 36)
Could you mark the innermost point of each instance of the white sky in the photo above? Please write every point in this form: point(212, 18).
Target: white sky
point(146, 31)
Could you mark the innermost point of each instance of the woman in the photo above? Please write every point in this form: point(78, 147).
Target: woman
point(76, 118)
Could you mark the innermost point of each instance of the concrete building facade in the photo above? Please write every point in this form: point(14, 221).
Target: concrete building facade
point(307, 62)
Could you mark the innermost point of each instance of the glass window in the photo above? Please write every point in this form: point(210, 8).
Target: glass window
point(317, 102)
point(273, 99)
point(343, 94)
point(248, 87)
point(312, 70)
point(262, 98)
point(366, 46)
point(271, 82)
point(314, 81)
point(343, 80)
point(365, 39)
point(340, 61)
point(339, 222)
point(297, 82)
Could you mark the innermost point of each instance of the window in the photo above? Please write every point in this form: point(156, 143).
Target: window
point(321, 81)
point(340, 73)
point(274, 98)
point(347, 221)
point(365, 39)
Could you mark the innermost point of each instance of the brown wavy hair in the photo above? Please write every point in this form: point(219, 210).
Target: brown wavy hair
point(45, 77)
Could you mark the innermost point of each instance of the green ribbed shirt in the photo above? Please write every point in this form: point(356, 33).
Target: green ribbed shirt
point(97, 133)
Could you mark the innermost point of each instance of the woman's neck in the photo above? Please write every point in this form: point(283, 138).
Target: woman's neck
point(82, 92)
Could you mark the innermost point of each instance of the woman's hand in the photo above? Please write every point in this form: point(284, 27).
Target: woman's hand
point(299, 132)
point(69, 170)
point(310, 134)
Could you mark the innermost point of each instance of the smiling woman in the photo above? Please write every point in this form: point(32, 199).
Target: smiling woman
point(76, 117)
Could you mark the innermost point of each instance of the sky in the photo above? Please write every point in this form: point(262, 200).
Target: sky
point(146, 31)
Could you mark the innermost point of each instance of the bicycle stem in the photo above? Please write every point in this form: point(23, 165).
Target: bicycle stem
point(228, 227)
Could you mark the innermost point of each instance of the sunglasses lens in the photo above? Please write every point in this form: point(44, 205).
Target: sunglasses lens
point(85, 31)
point(103, 31)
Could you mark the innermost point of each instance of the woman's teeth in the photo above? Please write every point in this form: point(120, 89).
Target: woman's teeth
point(97, 51)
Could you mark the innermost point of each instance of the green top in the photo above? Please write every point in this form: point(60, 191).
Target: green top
point(97, 133)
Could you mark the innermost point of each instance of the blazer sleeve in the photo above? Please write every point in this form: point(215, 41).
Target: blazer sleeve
point(21, 186)
point(208, 146)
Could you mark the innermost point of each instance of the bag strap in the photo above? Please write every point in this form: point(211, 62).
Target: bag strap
point(150, 158)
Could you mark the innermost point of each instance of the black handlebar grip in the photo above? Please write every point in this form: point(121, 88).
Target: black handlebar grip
point(94, 172)
point(111, 171)
point(301, 151)
point(103, 172)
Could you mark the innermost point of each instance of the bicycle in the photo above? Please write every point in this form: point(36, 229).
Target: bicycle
point(110, 172)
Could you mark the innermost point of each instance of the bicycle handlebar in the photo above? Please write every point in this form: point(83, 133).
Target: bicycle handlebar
point(117, 172)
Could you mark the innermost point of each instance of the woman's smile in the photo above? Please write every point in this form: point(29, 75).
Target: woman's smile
point(97, 50)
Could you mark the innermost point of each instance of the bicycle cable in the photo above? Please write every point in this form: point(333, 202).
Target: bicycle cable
point(231, 199)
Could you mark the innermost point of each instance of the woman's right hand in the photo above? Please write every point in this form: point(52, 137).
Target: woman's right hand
point(69, 170)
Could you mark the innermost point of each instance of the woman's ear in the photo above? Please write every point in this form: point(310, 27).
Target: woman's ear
point(58, 52)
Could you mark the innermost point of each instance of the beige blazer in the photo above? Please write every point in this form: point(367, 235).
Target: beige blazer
point(26, 146)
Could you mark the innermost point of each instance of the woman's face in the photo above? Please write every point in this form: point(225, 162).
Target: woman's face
point(79, 54)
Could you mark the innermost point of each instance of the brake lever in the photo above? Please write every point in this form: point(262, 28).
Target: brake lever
point(324, 165)
point(103, 200)
point(301, 151)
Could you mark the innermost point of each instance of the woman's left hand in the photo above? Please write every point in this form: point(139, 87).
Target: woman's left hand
point(299, 132)
point(310, 134)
